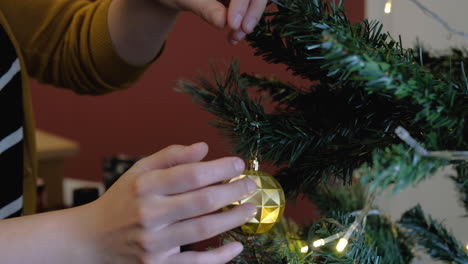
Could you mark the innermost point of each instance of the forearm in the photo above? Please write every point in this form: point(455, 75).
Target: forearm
point(59, 237)
point(138, 28)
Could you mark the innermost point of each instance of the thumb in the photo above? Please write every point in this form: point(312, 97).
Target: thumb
point(211, 11)
point(171, 156)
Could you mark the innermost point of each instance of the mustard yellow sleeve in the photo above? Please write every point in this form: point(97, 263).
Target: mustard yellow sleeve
point(67, 43)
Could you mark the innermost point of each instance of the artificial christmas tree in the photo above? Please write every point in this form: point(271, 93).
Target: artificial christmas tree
point(375, 116)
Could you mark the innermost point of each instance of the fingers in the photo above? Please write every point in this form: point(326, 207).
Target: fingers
point(211, 11)
point(201, 228)
point(253, 15)
point(209, 199)
point(188, 177)
point(220, 255)
point(171, 156)
point(236, 36)
point(236, 13)
point(241, 16)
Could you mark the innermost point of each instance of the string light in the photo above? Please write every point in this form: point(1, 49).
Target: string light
point(388, 7)
point(466, 246)
point(318, 243)
point(324, 241)
point(344, 241)
point(404, 135)
point(341, 244)
point(305, 249)
point(345, 236)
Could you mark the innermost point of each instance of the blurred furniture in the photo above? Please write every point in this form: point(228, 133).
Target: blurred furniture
point(51, 153)
point(116, 166)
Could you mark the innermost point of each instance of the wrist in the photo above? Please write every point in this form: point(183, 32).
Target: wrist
point(138, 28)
point(68, 237)
point(83, 224)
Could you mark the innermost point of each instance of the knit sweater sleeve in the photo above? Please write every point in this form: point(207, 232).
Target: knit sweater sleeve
point(67, 43)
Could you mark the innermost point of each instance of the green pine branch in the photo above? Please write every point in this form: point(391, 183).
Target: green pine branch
point(334, 51)
point(390, 243)
point(338, 197)
point(398, 167)
point(377, 244)
point(432, 236)
point(365, 86)
point(357, 252)
point(380, 242)
point(282, 140)
point(441, 106)
point(274, 248)
point(461, 181)
point(451, 67)
point(271, 248)
point(386, 239)
point(278, 91)
point(271, 43)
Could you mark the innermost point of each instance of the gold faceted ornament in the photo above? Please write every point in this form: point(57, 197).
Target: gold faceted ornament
point(269, 199)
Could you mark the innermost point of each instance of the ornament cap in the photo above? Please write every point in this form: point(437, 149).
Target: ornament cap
point(254, 164)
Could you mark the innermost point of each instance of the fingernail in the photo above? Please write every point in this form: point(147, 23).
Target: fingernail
point(197, 144)
point(234, 42)
point(239, 165)
point(239, 35)
point(250, 24)
point(253, 211)
point(251, 186)
point(236, 21)
point(237, 248)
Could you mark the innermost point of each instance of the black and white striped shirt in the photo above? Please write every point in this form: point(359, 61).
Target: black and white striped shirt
point(11, 130)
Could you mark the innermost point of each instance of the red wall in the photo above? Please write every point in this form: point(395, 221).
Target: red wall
point(150, 115)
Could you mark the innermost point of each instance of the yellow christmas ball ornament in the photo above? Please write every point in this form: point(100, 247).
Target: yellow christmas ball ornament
point(269, 199)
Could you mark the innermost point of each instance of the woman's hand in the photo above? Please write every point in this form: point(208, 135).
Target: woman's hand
point(240, 15)
point(167, 200)
point(138, 28)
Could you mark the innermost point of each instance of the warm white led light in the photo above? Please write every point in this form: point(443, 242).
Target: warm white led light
point(342, 244)
point(388, 7)
point(466, 246)
point(305, 249)
point(319, 243)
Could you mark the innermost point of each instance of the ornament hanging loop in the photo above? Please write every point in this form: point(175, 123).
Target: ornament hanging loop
point(253, 162)
point(269, 195)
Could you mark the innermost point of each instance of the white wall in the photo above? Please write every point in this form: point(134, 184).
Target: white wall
point(436, 195)
point(411, 23)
